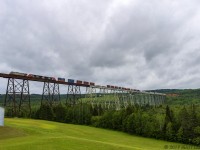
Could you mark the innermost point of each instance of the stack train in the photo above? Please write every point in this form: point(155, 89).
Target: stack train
point(70, 81)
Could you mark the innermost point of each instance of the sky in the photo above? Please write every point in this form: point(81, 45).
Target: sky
point(138, 44)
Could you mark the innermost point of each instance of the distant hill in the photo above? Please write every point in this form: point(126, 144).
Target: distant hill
point(181, 96)
point(174, 96)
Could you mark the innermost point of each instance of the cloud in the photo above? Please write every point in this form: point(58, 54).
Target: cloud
point(137, 43)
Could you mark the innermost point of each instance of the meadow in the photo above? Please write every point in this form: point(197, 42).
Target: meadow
point(28, 134)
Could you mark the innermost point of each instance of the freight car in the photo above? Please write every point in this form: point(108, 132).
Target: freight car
point(79, 82)
point(92, 83)
point(86, 83)
point(70, 80)
point(41, 77)
point(61, 79)
point(18, 73)
point(108, 86)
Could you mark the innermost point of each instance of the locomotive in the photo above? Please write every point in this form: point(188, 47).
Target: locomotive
point(35, 76)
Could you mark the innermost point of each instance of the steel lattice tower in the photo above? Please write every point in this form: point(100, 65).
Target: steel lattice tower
point(73, 95)
point(91, 94)
point(17, 97)
point(51, 94)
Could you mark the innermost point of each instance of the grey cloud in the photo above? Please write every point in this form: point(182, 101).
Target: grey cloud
point(136, 44)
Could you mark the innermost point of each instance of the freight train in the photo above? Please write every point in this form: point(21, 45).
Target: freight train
point(70, 81)
point(35, 76)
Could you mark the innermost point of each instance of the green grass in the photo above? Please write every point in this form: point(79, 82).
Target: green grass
point(27, 134)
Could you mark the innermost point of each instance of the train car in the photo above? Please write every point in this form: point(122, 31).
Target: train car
point(41, 77)
point(70, 80)
point(61, 79)
point(36, 76)
point(18, 73)
point(79, 82)
point(53, 78)
point(92, 83)
point(112, 86)
point(136, 90)
point(86, 83)
point(46, 78)
point(49, 78)
point(108, 86)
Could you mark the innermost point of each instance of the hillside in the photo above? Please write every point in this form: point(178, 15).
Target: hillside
point(180, 96)
point(174, 97)
point(25, 134)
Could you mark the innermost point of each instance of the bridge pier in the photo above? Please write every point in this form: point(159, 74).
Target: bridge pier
point(73, 95)
point(50, 94)
point(17, 99)
point(91, 95)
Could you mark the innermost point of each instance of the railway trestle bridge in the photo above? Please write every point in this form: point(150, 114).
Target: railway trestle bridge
point(18, 98)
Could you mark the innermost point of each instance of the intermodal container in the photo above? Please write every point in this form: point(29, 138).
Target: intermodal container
point(71, 80)
point(92, 83)
point(61, 79)
point(79, 82)
point(112, 86)
point(30, 75)
point(86, 83)
point(53, 78)
point(46, 78)
point(18, 73)
point(108, 86)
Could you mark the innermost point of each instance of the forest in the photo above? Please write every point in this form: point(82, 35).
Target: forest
point(178, 120)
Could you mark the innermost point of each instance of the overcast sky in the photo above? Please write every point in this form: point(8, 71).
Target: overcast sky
point(143, 44)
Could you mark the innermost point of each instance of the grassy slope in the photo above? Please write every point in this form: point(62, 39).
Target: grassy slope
point(25, 134)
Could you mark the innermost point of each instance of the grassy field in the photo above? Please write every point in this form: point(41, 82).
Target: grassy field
point(26, 134)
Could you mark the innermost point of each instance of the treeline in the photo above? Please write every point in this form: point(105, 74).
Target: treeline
point(178, 124)
point(157, 123)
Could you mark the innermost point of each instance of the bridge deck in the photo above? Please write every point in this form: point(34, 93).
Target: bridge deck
point(4, 75)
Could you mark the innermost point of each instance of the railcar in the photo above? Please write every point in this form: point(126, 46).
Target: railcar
point(61, 79)
point(70, 80)
point(41, 77)
point(92, 83)
point(18, 73)
point(136, 90)
point(79, 82)
point(86, 83)
point(108, 86)
point(53, 78)
point(36, 76)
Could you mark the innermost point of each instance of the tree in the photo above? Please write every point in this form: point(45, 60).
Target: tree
point(184, 120)
point(179, 134)
point(169, 132)
point(169, 118)
point(130, 124)
point(60, 113)
point(45, 112)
